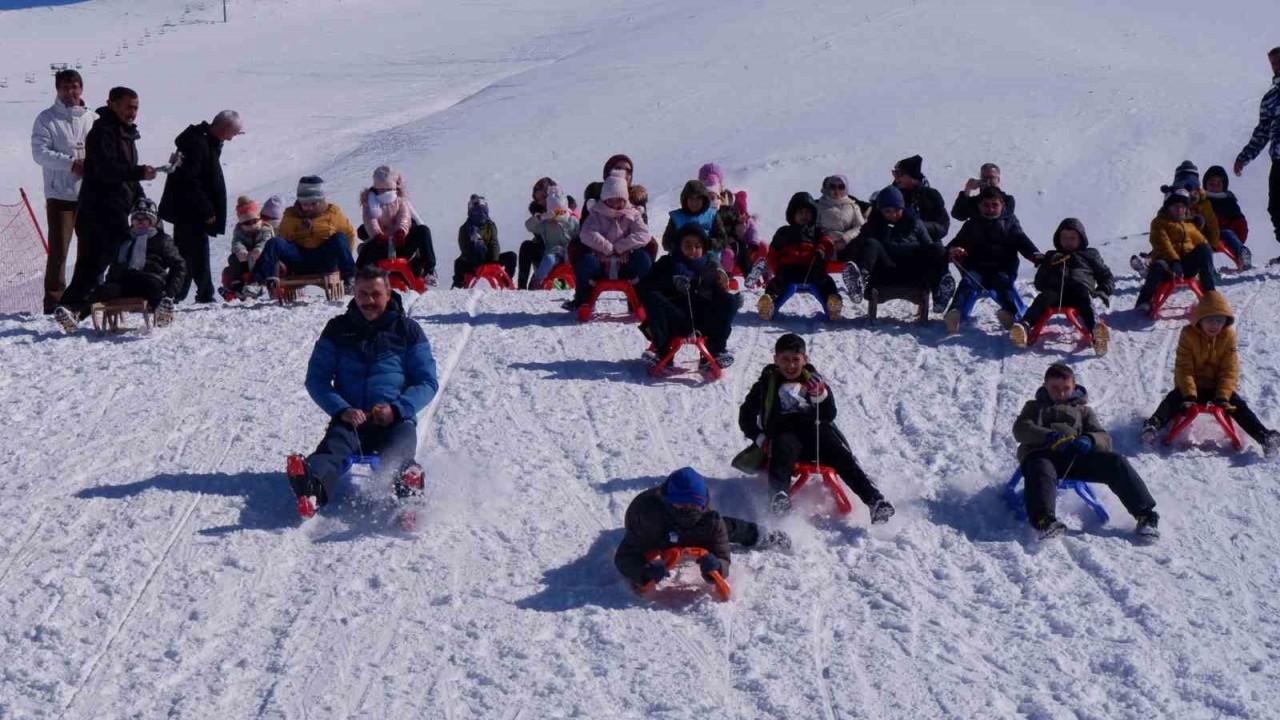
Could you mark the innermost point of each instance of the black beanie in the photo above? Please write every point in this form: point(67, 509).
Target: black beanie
point(912, 167)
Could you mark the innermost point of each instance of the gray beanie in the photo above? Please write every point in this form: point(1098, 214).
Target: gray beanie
point(273, 208)
point(311, 189)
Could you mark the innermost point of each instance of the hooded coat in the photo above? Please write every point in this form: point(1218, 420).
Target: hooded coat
point(708, 219)
point(1202, 361)
point(929, 207)
point(903, 237)
point(651, 525)
point(57, 139)
point(358, 364)
point(196, 190)
point(703, 275)
point(795, 244)
point(1084, 265)
point(162, 261)
point(614, 232)
point(766, 411)
point(1042, 417)
point(1225, 205)
point(841, 219)
point(1172, 239)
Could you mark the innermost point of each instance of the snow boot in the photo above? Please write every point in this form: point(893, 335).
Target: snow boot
point(765, 307)
point(1101, 339)
point(164, 312)
point(409, 482)
point(1150, 433)
point(854, 281)
point(834, 307)
point(650, 358)
point(1244, 259)
point(1006, 318)
point(1143, 308)
point(881, 512)
point(780, 503)
point(946, 288)
point(1049, 527)
point(1271, 443)
point(1139, 264)
point(1018, 335)
point(65, 319)
point(724, 360)
point(774, 539)
point(756, 276)
point(1148, 525)
point(310, 492)
point(952, 321)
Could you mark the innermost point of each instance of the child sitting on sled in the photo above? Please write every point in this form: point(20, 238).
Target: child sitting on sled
point(799, 254)
point(247, 241)
point(1070, 276)
point(1206, 369)
point(557, 228)
point(789, 415)
point(678, 513)
point(1059, 436)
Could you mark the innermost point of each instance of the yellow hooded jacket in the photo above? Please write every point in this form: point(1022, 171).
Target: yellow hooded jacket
point(1170, 239)
point(311, 233)
point(1205, 362)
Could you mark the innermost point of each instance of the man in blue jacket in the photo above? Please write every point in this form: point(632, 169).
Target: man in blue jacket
point(372, 371)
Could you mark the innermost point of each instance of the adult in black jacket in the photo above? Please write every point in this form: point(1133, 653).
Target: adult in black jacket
point(790, 413)
point(966, 205)
point(111, 185)
point(685, 291)
point(987, 247)
point(678, 513)
point(147, 265)
point(1071, 275)
point(195, 197)
point(908, 176)
point(895, 250)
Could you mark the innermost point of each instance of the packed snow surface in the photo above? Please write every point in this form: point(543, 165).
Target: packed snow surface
point(151, 562)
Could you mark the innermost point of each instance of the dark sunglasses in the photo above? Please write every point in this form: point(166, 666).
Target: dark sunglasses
point(836, 186)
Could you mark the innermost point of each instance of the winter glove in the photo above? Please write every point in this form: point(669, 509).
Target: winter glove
point(681, 282)
point(1082, 445)
point(709, 564)
point(815, 388)
point(1057, 440)
point(655, 571)
point(242, 255)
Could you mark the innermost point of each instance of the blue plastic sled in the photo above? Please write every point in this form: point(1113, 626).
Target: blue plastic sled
point(373, 461)
point(792, 289)
point(969, 293)
point(1081, 488)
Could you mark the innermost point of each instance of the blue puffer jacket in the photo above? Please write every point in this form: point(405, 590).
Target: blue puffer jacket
point(358, 364)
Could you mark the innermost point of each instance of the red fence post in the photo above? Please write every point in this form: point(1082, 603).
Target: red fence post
point(34, 222)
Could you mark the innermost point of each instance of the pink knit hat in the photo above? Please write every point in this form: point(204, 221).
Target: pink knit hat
point(615, 186)
point(246, 209)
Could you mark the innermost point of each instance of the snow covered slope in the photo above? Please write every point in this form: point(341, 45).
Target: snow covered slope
point(150, 561)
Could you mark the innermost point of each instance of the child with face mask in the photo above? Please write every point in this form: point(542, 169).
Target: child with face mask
point(478, 243)
point(1206, 370)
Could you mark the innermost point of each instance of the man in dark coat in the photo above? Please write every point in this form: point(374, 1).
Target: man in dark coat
point(111, 186)
point(678, 513)
point(908, 176)
point(195, 197)
point(966, 205)
point(372, 372)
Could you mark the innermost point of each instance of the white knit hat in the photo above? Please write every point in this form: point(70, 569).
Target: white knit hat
point(615, 186)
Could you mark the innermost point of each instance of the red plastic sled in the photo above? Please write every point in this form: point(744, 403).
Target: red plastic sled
point(1167, 288)
point(805, 471)
point(1189, 416)
point(562, 272)
point(672, 557)
point(676, 344)
point(402, 277)
point(1072, 317)
point(588, 309)
point(492, 272)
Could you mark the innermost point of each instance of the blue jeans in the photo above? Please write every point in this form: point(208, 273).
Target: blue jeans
point(588, 268)
point(334, 254)
point(1231, 241)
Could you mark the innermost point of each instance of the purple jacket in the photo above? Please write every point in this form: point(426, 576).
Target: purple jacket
point(614, 232)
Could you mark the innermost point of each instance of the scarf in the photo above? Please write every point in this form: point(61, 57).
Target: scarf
point(133, 254)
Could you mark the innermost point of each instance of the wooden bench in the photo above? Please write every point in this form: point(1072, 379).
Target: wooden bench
point(331, 283)
point(108, 314)
point(917, 295)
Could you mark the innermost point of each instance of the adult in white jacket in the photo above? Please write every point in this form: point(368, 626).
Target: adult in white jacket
point(57, 144)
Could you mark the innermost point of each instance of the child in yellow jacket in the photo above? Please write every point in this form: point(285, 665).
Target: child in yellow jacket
point(1178, 248)
point(1207, 369)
